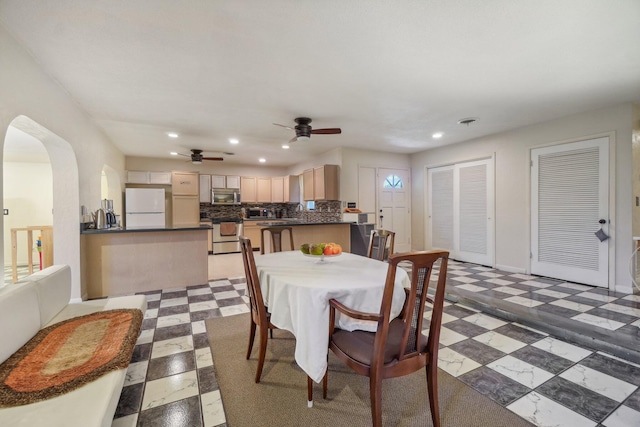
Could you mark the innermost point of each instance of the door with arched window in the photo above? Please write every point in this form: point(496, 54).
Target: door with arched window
point(394, 205)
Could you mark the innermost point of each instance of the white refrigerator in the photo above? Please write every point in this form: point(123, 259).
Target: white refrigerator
point(144, 208)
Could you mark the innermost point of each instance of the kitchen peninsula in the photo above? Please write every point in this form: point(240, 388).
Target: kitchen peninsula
point(120, 261)
point(312, 232)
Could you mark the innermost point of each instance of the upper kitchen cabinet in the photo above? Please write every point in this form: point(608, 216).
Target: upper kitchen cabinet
point(321, 183)
point(291, 186)
point(263, 190)
point(225, 181)
point(248, 189)
point(325, 183)
point(184, 183)
point(277, 189)
point(148, 177)
point(205, 188)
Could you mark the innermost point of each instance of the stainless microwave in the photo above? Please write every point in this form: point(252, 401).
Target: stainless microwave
point(225, 196)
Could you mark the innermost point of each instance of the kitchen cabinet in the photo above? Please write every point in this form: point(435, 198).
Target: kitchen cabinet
point(248, 189)
point(185, 211)
point(325, 183)
point(205, 189)
point(307, 184)
point(225, 181)
point(252, 232)
point(263, 190)
point(185, 183)
point(277, 189)
point(291, 186)
point(233, 181)
point(148, 177)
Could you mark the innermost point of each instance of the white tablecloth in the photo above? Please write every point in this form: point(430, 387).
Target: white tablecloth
point(297, 290)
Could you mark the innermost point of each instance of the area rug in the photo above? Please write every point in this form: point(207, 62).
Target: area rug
point(280, 399)
point(69, 354)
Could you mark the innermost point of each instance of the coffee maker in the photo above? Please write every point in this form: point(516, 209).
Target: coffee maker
point(111, 220)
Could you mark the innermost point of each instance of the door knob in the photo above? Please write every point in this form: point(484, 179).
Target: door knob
point(602, 221)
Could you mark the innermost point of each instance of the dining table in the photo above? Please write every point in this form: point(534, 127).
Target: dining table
point(297, 288)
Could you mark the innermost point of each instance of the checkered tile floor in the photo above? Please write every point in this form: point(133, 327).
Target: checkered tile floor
point(543, 379)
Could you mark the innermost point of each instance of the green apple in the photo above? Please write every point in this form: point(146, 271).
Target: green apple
point(316, 250)
point(305, 248)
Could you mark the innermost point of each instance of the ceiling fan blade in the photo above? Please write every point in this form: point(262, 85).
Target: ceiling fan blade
point(186, 155)
point(326, 131)
point(294, 139)
point(213, 158)
point(284, 126)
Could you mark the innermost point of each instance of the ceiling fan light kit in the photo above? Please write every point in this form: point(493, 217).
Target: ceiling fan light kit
point(304, 130)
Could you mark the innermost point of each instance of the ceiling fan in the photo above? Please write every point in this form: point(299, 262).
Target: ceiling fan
point(303, 129)
point(197, 157)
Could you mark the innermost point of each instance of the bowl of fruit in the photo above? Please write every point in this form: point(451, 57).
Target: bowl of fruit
point(321, 250)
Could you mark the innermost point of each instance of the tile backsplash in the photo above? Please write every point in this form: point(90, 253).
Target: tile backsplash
point(325, 211)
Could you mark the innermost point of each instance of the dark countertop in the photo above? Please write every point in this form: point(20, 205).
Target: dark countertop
point(141, 230)
point(290, 223)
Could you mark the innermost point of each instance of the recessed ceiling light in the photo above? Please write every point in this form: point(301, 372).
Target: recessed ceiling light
point(262, 160)
point(172, 134)
point(173, 153)
point(285, 146)
point(437, 135)
point(233, 141)
point(467, 121)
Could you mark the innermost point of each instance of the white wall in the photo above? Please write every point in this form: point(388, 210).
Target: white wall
point(26, 90)
point(28, 194)
point(512, 150)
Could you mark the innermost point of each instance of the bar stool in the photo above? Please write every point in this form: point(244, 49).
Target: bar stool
point(276, 238)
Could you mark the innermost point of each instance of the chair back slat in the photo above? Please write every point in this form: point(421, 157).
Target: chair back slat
point(381, 244)
point(277, 239)
point(253, 282)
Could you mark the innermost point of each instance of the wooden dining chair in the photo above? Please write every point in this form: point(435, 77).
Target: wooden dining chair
point(260, 316)
point(276, 238)
point(379, 241)
point(398, 346)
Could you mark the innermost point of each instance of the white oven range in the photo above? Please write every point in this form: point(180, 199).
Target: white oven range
point(225, 235)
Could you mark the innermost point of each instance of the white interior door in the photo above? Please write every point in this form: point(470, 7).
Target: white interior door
point(460, 210)
point(569, 198)
point(394, 205)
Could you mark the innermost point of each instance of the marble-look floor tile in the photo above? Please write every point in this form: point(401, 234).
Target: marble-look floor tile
point(551, 293)
point(448, 337)
point(446, 318)
point(522, 276)
point(173, 320)
point(529, 328)
point(600, 322)
point(465, 328)
point(207, 381)
point(233, 310)
point(519, 334)
point(596, 297)
point(226, 294)
point(562, 349)
point(151, 313)
point(174, 331)
point(499, 341)
point(212, 409)
point(535, 284)
point(198, 327)
point(454, 363)
point(204, 357)
point(457, 311)
point(501, 282)
point(524, 301)
point(494, 385)
point(630, 311)
point(136, 373)
point(171, 365)
point(127, 421)
point(220, 283)
point(633, 401)
point(146, 336)
point(453, 273)
point(203, 305)
point(613, 366)
point(129, 402)
point(477, 351)
point(463, 279)
point(199, 291)
point(599, 382)
point(571, 305)
point(169, 389)
point(173, 301)
point(579, 399)
point(471, 288)
point(153, 297)
point(542, 359)
point(485, 321)
point(172, 346)
point(509, 290)
point(544, 412)
point(467, 307)
point(576, 286)
point(623, 417)
point(520, 371)
point(185, 412)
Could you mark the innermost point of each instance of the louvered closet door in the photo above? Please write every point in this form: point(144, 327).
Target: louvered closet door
point(440, 207)
point(475, 202)
point(460, 210)
point(569, 196)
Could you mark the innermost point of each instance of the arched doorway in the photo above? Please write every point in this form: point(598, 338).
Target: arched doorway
point(65, 198)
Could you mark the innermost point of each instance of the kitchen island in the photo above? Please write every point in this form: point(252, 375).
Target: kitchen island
point(311, 232)
point(122, 261)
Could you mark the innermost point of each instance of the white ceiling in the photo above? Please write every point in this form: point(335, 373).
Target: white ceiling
point(389, 73)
